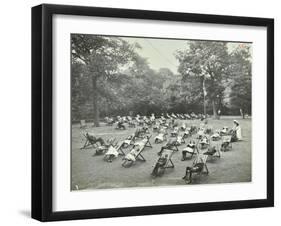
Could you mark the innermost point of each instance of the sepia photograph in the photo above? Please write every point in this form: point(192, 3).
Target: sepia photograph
point(149, 112)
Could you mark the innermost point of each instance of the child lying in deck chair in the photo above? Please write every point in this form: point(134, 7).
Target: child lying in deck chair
point(190, 149)
point(206, 148)
point(91, 140)
point(183, 127)
point(129, 140)
point(168, 116)
point(113, 152)
point(83, 124)
point(174, 116)
point(224, 131)
point(152, 117)
point(181, 116)
point(132, 124)
point(186, 132)
point(163, 163)
point(216, 136)
point(204, 142)
point(226, 143)
point(109, 121)
point(104, 147)
point(208, 130)
point(187, 116)
point(197, 167)
point(162, 130)
point(140, 122)
point(200, 133)
point(193, 129)
point(171, 145)
point(180, 140)
point(140, 133)
point(163, 118)
point(136, 151)
point(162, 136)
point(156, 127)
point(213, 151)
point(175, 132)
point(120, 125)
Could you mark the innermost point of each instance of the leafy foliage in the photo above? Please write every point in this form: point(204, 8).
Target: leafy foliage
point(109, 78)
point(240, 96)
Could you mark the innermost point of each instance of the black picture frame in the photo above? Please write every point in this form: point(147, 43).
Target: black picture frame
point(42, 107)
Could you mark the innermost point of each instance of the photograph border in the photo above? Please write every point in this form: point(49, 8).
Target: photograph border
point(42, 119)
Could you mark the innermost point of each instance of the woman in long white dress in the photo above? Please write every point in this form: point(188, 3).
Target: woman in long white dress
point(237, 131)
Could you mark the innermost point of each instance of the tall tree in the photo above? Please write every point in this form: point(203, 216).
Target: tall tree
point(103, 57)
point(208, 60)
point(241, 95)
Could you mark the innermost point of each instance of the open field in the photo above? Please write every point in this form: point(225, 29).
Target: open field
point(92, 172)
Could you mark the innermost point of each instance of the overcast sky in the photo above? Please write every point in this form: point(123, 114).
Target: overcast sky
point(161, 52)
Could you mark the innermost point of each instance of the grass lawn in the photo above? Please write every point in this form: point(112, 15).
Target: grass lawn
point(92, 172)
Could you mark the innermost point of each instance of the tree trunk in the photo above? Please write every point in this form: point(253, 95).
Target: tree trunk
point(95, 102)
point(215, 115)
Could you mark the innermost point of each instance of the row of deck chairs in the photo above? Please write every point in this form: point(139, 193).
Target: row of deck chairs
point(112, 149)
point(192, 149)
point(165, 156)
point(209, 148)
point(141, 140)
point(84, 125)
point(136, 152)
point(144, 120)
point(183, 116)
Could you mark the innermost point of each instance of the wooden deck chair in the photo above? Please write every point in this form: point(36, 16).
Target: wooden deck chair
point(119, 148)
point(224, 131)
point(181, 116)
point(198, 167)
point(83, 124)
point(216, 136)
point(187, 132)
point(91, 140)
point(163, 118)
point(180, 139)
point(136, 152)
point(102, 148)
point(129, 140)
point(204, 142)
point(200, 133)
point(193, 130)
point(163, 162)
point(226, 143)
point(190, 149)
point(168, 116)
point(175, 132)
point(156, 127)
point(140, 133)
point(183, 127)
point(132, 124)
point(170, 145)
point(110, 121)
point(213, 151)
point(120, 125)
point(160, 138)
point(114, 151)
